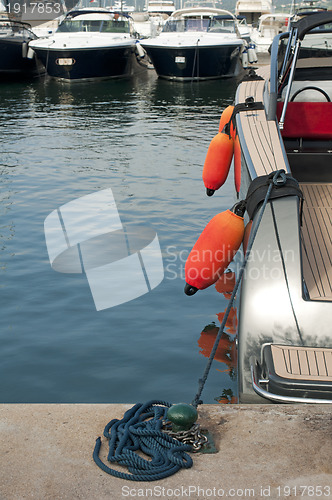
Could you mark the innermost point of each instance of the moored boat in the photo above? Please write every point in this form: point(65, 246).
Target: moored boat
point(16, 61)
point(197, 44)
point(269, 26)
point(150, 22)
point(282, 123)
point(252, 10)
point(91, 44)
point(244, 29)
point(285, 315)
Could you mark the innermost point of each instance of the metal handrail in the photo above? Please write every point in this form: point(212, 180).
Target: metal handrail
point(289, 87)
point(277, 398)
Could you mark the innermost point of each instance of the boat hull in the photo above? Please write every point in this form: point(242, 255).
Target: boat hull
point(13, 64)
point(195, 63)
point(285, 297)
point(90, 64)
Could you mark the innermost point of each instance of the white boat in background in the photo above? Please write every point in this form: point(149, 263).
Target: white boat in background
point(151, 21)
point(197, 44)
point(157, 7)
point(244, 29)
point(46, 29)
point(91, 44)
point(121, 6)
point(252, 10)
point(269, 26)
point(307, 8)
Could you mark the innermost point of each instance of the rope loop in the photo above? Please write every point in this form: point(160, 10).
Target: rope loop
point(140, 430)
point(278, 178)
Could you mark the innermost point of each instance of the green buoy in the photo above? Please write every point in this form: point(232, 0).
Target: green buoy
point(182, 415)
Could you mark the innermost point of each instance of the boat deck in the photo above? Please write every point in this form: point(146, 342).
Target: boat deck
point(264, 147)
point(262, 135)
point(316, 238)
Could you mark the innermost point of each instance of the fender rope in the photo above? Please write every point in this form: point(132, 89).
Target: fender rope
point(141, 430)
point(277, 178)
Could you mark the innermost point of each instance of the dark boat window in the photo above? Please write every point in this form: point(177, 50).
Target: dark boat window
point(181, 25)
point(222, 25)
point(197, 24)
point(115, 26)
point(108, 26)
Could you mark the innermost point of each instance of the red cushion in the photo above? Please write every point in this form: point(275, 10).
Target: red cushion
point(309, 120)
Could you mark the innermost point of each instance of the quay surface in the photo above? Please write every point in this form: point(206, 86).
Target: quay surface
point(264, 451)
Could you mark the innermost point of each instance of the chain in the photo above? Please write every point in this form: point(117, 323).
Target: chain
point(192, 436)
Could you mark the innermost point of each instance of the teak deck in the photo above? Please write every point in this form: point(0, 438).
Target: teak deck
point(263, 143)
point(308, 363)
point(317, 240)
point(262, 136)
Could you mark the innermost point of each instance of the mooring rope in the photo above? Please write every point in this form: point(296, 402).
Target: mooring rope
point(140, 429)
point(279, 174)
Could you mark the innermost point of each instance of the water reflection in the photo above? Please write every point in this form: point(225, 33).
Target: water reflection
point(146, 140)
point(226, 352)
point(7, 226)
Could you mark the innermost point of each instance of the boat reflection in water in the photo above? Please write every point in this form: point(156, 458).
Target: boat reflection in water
point(226, 351)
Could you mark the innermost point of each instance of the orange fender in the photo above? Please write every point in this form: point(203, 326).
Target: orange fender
point(213, 251)
point(217, 162)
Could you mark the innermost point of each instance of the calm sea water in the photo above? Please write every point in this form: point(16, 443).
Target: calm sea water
point(145, 139)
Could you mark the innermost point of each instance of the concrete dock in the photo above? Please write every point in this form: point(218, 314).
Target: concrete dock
point(264, 451)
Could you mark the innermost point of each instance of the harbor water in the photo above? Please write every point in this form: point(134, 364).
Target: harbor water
point(146, 140)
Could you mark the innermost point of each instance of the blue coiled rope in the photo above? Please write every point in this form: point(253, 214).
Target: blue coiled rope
point(140, 429)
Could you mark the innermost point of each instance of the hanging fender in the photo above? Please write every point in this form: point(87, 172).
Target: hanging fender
point(244, 58)
point(222, 148)
point(140, 51)
point(220, 153)
point(217, 162)
point(214, 249)
point(252, 56)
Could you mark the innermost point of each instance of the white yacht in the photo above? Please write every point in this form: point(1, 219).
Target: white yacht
point(197, 44)
point(91, 44)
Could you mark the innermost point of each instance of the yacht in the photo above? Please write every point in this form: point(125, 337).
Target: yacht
point(197, 44)
point(284, 124)
point(280, 132)
point(269, 25)
point(252, 10)
point(17, 61)
point(91, 44)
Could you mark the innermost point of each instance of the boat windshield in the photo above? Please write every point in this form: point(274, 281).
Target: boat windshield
point(15, 28)
point(315, 45)
point(97, 26)
point(215, 24)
